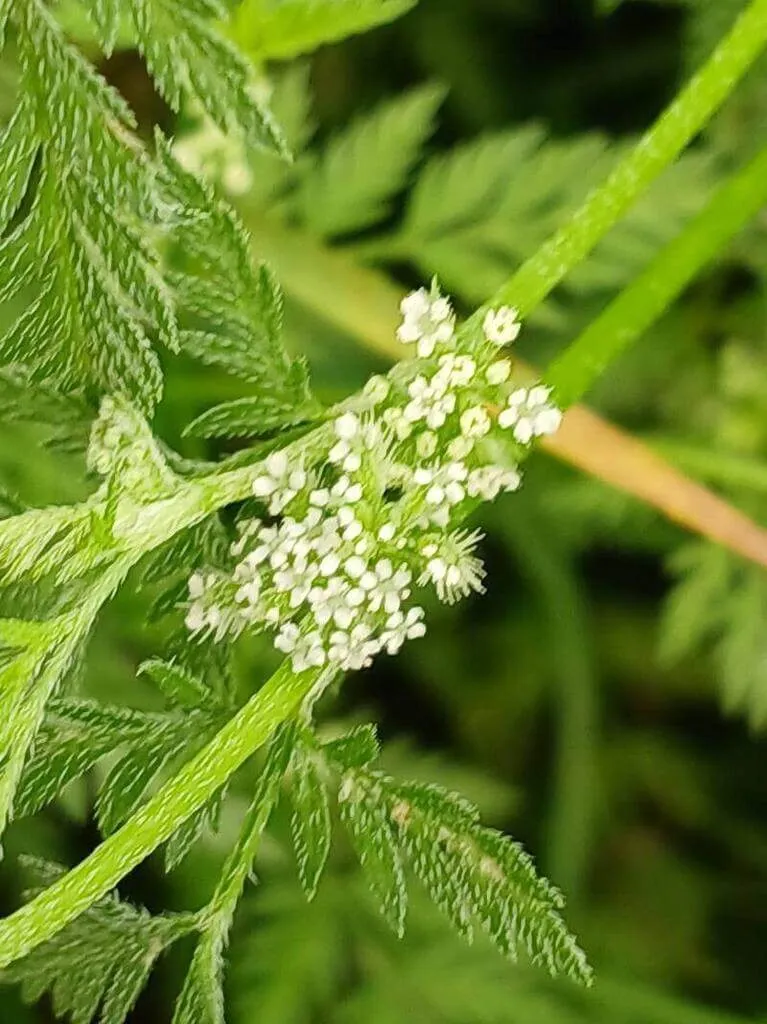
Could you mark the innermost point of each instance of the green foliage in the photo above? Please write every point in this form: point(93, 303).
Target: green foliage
point(473, 213)
point(143, 748)
point(237, 314)
point(475, 875)
point(95, 968)
point(721, 604)
point(310, 822)
point(350, 185)
point(201, 1000)
point(73, 248)
point(287, 28)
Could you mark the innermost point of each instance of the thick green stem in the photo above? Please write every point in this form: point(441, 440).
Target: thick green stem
point(658, 148)
point(159, 818)
point(625, 319)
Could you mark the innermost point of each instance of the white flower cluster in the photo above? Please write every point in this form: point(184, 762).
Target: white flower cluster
point(530, 414)
point(332, 574)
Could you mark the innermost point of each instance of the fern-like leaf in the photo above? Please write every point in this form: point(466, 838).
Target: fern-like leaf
point(374, 838)
point(719, 605)
point(350, 185)
point(235, 310)
point(72, 236)
point(475, 875)
point(96, 967)
point(310, 822)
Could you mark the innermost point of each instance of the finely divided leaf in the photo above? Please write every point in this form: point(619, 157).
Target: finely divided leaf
point(179, 686)
point(477, 875)
point(75, 735)
point(310, 821)
point(96, 966)
point(205, 820)
point(478, 211)
point(355, 749)
point(95, 303)
point(368, 820)
point(202, 998)
point(234, 309)
point(350, 185)
point(187, 55)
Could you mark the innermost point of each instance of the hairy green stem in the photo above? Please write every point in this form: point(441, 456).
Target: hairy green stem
point(636, 308)
point(159, 818)
point(204, 774)
point(658, 148)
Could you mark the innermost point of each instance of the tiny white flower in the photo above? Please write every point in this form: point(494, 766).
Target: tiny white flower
point(429, 401)
point(501, 326)
point(426, 444)
point(287, 638)
point(455, 371)
point(339, 451)
point(196, 585)
point(330, 564)
point(320, 497)
point(475, 422)
point(487, 482)
point(435, 495)
point(280, 483)
point(377, 389)
point(387, 532)
point(452, 567)
point(498, 372)
point(400, 628)
point(391, 587)
point(460, 447)
point(427, 321)
point(195, 618)
point(347, 426)
point(353, 530)
point(355, 566)
point(529, 414)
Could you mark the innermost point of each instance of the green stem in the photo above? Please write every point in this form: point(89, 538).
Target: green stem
point(159, 818)
point(636, 308)
point(658, 148)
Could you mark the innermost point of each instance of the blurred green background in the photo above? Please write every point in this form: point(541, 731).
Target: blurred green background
point(605, 701)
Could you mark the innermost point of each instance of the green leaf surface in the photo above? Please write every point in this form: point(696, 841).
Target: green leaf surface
point(351, 184)
point(96, 968)
point(310, 821)
point(372, 834)
point(270, 29)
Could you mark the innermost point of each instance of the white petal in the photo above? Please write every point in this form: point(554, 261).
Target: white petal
point(347, 426)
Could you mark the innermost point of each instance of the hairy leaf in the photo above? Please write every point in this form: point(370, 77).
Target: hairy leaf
point(236, 308)
point(372, 833)
point(310, 822)
point(349, 186)
point(96, 967)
